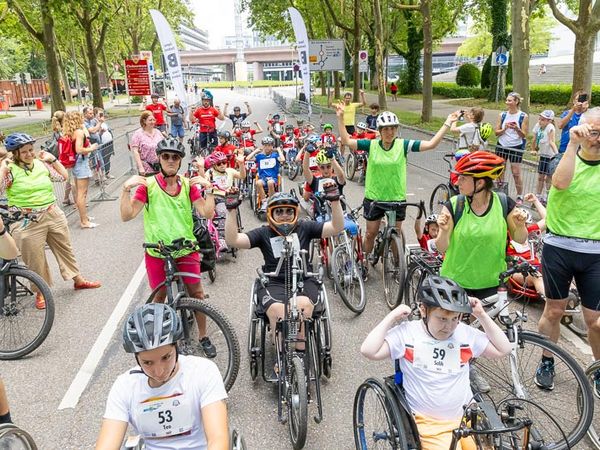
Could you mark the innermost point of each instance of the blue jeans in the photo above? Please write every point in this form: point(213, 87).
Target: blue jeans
point(177, 131)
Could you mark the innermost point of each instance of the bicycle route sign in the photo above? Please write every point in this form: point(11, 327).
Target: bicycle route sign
point(326, 56)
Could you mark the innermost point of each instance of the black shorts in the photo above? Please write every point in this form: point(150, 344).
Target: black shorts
point(514, 154)
point(544, 165)
point(373, 212)
point(482, 293)
point(560, 267)
point(349, 128)
point(275, 293)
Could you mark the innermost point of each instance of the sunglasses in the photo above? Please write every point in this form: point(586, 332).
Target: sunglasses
point(284, 211)
point(324, 166)
point(170, 157)
point(220, 163)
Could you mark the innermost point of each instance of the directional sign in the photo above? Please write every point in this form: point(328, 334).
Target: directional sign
point(363, 61)
point(500, 59)
point(324, 56)
point(138, 78)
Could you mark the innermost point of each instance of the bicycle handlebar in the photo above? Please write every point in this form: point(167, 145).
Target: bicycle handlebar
point(175, 246)
point(397, 206)
point(523, 267)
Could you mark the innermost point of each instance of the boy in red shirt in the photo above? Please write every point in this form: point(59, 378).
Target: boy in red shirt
point(245, 136)
point(362, 132)
point(157, 109)
point(426, 235)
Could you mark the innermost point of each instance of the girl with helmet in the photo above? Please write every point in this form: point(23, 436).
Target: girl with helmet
point(473, 226)
point(29, 188)
point(227, 148)
point(329, 170)
point(268, 163)
point(470, 137)
point(282, 217)
point(185, 391)
point(386, 166)
point(426, 235)
point(435, 355)
point(167, 200)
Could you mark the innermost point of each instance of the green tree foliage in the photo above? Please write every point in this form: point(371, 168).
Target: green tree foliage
point(485, 72)
point(13, 57)
point(468, 75)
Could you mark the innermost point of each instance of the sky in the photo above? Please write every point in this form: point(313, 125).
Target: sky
point(215, 16)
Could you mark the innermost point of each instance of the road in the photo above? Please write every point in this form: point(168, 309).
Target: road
point(112, 253)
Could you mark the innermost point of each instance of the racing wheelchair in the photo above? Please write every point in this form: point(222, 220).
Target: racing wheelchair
point(297, 376)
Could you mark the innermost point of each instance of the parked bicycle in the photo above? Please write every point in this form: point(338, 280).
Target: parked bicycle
point(356, 164)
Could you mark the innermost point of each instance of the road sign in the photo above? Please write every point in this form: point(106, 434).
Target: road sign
point(138, 77)
point(147, 56)
point(296, 68)
point(324, 56)
point(17, 79)
point(363, 61)
point(500, 59)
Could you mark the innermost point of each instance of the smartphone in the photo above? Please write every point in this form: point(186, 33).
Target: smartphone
point(462, 114)
point(582, 98)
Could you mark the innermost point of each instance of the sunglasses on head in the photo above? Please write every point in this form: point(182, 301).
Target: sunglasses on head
point(170, 156)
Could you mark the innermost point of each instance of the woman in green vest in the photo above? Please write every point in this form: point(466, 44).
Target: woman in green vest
point(385, 180)
point(29, 189)
point(474, 225)
point(572, 244)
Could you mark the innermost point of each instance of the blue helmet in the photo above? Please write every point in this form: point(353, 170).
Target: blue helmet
point(314, 138)
point(15, 141)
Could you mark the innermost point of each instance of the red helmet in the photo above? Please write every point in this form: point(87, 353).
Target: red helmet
point(480, 164)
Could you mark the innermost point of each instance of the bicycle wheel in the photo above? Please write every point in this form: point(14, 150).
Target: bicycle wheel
point(348, 280)
point(13, 438)
point(439, 196)
point(593, 432)
point(377, 422)
point(414, 278)
point(293, 170)
point(350, 166)
point(574, 320)
point(514, 376)
point(23, 327)
point(237, 442)
point(394, 270)
point(218, 329)
point(297, 403)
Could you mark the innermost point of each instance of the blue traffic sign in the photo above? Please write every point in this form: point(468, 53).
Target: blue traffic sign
point(501, 59)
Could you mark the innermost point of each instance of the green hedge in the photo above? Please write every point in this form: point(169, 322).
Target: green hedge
point(468, 75)
point(452, 90)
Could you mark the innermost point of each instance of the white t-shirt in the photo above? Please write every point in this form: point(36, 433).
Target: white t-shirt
point(543, 140)
point(223, 180)
point(106, 135)
point(436, 373)
point(469, 135)
point(173, 406)
point(510, 138)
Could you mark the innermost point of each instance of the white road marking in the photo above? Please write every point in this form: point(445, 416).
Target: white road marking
point(410, 194)
point(579, 343)
point(88, 367)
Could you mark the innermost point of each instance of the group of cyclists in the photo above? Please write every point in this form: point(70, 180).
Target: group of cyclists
point(177, 401)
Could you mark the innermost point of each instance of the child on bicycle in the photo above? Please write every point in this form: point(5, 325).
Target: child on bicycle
point(435, 354)
point(269, 163)
point(363, 132)
point(329, 170)
point(245, 136)
point(227, 148)
point(426, 235)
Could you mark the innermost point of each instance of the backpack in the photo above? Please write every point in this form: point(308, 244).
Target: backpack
point(66, 151)
point(459, 207)
point(51, 146)
point(521, 119)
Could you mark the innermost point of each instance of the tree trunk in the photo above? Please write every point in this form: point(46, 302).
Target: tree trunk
point(336, 84)
point(50, 51)
point(500, 37)
point(520, 11)
point(108, 74)
point(379, 57)
point(355, 73)
point(65, 78)
point(583, 62)
point(412, 56)
point(427, 62)
point(92, 58)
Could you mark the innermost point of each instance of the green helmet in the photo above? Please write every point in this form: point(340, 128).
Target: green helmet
point(327, 125)
point(485, 131)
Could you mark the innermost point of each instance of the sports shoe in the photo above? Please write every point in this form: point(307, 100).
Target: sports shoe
point(544, 376)
point(209, 349)
point(519, 199)
point(40, 301)
point(597, 383)
point(477, 381)
point(223, 246)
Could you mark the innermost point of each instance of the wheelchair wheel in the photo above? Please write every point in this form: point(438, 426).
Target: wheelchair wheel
point(13, 438)
point(297, 403)
point(348, 279)
point(254, 343)
point(377, 421)
point(593, 432)
point(351, 164)
point(293, 170)
point(439, 196)
point(414, 278)
point(323, 329)
point(394, 270)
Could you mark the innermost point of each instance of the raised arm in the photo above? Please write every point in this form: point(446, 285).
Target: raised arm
point(446, 225)
point(308, 176)
point(130, 207)
point(435, 140)
point(563, 175)
point(248, 108)
point(232, 235)
point(375, 347)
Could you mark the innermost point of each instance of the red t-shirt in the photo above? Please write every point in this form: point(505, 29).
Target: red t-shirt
point(393, 88)
point(206, 117)
point(314, 167)
point(328, 138)
point(288, 141)
point(157, 110)
point(141, 193)
point(423, 241)
point(229, 150)
point(246, 137)
point(363, 135)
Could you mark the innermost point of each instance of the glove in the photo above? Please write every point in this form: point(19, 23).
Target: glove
point(330, 152)
point(331, 191)
point(233, 199)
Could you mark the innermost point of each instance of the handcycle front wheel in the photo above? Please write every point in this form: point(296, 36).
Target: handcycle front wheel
point(351, 164)
point(297, 403)
point(348, 279)
point(236, 441)
point(23, 327)
point(14, 438)
point(220, 332)
point(394, 270)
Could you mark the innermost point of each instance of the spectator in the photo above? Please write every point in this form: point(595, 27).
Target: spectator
point(302, 96)
point(74, 128)
point(30, 188)
point(350, 109)
point(544, 144)
point(106, 141)
point(572, 244)
point(157, 109)
point(512, 128)
point(177, 115)
point(143, 145)
point(570, 117)
point(57, 127)
point(469, 136)
point(343, 83)
point(371, 119)
point(93, 127)
point(394, 91)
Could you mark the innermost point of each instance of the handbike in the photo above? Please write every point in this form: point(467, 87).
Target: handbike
point(218, 328)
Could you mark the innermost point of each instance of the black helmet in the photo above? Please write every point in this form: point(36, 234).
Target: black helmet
point(225, 135)
point(15, 141)
point(151, 326)
point(170, 144)
point(267, 140)
point(444, 293)
point(282, 199)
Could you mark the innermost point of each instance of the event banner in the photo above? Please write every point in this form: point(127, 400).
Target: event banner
point(302, 46)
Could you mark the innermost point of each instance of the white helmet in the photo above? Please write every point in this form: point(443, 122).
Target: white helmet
point(245, 124)
point(387, 119)
point(361, 125)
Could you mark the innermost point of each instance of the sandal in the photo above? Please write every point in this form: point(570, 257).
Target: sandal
point(86, 284)
point(90, 225)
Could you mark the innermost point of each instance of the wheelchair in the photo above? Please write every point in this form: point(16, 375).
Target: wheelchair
point(297, 377)
point(14, 438)
point(383, 419)
point(256, 200)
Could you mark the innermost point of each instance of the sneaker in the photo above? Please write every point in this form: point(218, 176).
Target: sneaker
point(40, 301)
point(478, 382)
point(209, 349)
point(519, 199)
point(544, 376)
point(223, 246)
point(597, 383)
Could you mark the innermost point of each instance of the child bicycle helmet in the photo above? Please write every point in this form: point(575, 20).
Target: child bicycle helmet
point(267, 140)
point(225, 135)
point(442, 292)
point(361, 126)
point(282, 199)
point(322, 158)
point(485, 131)
point(327, 126)
point(480, 164)
point(431, 219)
point(172, 145)
point(387, 119)
point(245, 124)
point(15, 141)
point(460, 153)
point(218, 157)
point(313, 138)
point(289, 126)
point(151, 326)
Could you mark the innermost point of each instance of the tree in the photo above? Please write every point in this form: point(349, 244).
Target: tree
point(13, 58)
point(521, 52)
point(585, 27)
point(499, 28)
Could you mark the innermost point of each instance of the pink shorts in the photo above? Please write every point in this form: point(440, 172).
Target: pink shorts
point(155, 268)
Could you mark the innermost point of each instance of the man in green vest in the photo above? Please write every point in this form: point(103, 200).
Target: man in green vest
point(572, 245)
point(167, 200)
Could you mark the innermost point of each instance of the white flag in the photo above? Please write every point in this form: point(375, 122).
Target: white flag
point(171, 54)
point(302, 46)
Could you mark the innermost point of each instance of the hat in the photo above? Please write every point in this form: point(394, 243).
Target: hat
point(547, 114)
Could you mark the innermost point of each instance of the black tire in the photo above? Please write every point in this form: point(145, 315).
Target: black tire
point(414, 278)
point(297, 404)
point(394, 270)
point(12, 437)
point(351, 166)
point(252, 196)
point(348, 280)
point(570, 383)
point(293, 170)
point(219, 330)
point(237, 442)
point(439, 196)
point(371, 402)
point(575, 321)
point(325, 345)
point(212, 275)
point(594, 430)
point(23, 328)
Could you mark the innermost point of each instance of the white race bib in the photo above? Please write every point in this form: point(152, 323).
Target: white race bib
point(322, 182)
point(267, 163)
point(277, 244)
point(437, 356)
point(312, 161)
point(167, 416)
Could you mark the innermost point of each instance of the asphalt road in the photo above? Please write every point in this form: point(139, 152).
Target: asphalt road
point(112, 253)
